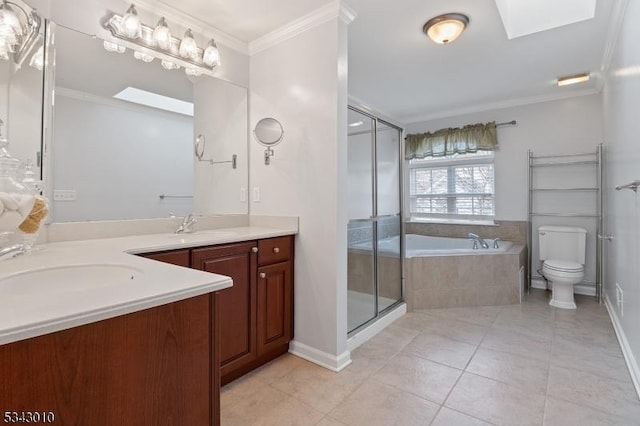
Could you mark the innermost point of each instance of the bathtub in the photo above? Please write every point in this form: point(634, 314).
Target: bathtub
point(422, 245)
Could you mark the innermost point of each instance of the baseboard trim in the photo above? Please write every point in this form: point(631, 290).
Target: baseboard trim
point(368, 332)
point(584, 289)
point(629, 358)
point(323, 359)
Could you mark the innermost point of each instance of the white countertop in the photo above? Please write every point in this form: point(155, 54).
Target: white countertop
point(38, 308)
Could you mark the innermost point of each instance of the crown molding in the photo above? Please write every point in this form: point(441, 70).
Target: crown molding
point(500, 105)
point(174, 15)
point(335, 9)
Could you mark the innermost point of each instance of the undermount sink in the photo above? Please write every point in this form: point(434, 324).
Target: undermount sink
point(70, 278)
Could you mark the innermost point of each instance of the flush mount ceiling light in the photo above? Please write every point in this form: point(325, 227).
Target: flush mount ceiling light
point(157, 42)
point(573, 79)
point(446, 28)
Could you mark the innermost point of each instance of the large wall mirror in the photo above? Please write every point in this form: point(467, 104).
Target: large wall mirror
point(123, 135)
point(21, 87)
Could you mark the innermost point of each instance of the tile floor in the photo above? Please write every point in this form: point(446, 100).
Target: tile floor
point(526, 364)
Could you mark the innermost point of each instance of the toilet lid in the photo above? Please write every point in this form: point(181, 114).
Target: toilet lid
point(563, 266)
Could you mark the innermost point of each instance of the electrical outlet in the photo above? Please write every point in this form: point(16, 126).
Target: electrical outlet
point(620, 299)
point(256, 194)
point(64, 195)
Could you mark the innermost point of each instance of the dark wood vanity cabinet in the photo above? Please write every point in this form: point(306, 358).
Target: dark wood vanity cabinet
point(256, 314)
point(153, 367)
point(237, 304)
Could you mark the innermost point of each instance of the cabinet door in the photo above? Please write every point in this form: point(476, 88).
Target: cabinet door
point(237, 304)
point(275, 306)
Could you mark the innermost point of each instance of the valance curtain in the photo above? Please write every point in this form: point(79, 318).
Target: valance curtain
point(460, 140)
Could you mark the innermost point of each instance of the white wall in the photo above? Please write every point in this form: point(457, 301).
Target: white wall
point(622, 127)
point(119, 158)
point(221, 115)
point(302, 83)
point(559, 127)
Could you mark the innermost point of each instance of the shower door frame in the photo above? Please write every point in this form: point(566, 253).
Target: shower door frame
point(375, 218)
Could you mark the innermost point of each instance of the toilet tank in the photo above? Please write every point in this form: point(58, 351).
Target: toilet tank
point(562, 243)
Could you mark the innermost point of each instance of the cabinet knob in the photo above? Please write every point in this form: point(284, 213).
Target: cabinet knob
point(263, 275)
point(254, 249)
point(276, 249)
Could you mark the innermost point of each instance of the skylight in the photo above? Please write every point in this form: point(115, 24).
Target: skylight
point(521, 18)
point(154, 100)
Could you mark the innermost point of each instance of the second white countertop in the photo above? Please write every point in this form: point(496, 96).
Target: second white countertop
point(35, 308)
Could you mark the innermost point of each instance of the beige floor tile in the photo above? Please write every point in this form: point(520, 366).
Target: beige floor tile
point(538, 322)
point(267, 406)
point(328, 421)
point(514, 342)
point(275, 370)
point(453, 329)
point(495, 402)
point(563, 413)
point(448, 417)
point(587, 339)
point(238, 390)
point(600, 393)
point(527, 374)
point(419, 376)
point(377, 404)
point(322, 389)
point(592, 359)
point(441, 349)
point(484, 315)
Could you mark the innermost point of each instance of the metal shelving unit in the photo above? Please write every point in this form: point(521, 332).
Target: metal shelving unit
point(539, 163)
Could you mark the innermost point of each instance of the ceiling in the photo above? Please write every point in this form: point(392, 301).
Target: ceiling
point(395, 69)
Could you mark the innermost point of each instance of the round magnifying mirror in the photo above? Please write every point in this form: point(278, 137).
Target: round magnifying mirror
point(269, 132)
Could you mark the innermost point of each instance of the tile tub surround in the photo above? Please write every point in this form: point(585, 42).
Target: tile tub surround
point(514, 231)
point(512, 365)
point(464, 280)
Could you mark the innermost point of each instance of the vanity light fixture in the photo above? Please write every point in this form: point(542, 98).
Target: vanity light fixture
point(19, 28)
point(444, 29)
point(211, 55)
point(573, 79)
point(157, 42)
point(131, 25)
point(162, 35)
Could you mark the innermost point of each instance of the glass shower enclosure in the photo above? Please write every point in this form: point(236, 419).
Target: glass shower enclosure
point(374, 231)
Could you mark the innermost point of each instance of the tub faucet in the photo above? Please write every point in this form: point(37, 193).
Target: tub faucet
point(495, 243)
point(477, 240)
point(186, 227)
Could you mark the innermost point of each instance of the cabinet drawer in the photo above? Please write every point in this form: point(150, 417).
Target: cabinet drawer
point(274, 250)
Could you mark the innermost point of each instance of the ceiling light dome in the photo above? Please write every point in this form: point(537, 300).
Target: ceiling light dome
point(446, 28)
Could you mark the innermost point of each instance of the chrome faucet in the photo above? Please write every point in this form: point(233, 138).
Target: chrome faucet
point(186, 227)
point(495, 243)
point(477, 240)
point(12, 251)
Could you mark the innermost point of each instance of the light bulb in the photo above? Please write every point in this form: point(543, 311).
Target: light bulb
point(168, 65)
point(162, 35)
point(211, 55)
point(192, 71)
point(113, 47)
point(131, 26)
point(9, 20)
point(142, 56)
point(188, 46)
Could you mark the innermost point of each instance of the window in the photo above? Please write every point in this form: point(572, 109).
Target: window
point(460, 186)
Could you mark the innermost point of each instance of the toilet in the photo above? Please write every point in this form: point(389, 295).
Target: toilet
point(562, 248)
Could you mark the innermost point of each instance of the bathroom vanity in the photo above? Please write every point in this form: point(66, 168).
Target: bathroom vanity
point(257, 312)
point(92, 334)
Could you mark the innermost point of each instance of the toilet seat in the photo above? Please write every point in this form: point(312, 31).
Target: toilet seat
point(565, 266)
